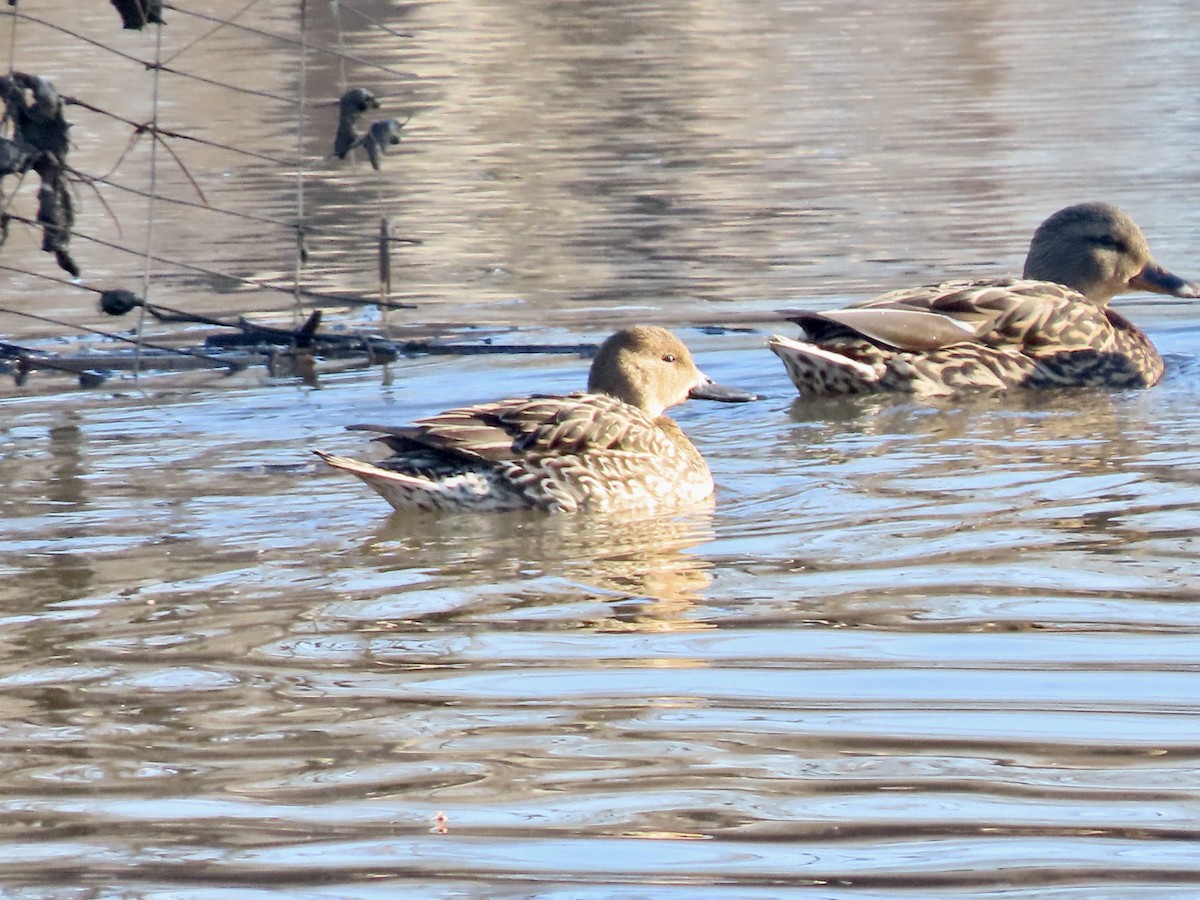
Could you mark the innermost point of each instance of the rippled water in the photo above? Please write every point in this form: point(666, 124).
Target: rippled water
point(910, 649)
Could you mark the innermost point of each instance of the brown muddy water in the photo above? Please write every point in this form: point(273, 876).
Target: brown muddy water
point(910, 649)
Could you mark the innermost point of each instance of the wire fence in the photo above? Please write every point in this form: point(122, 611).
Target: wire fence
point(43, 189)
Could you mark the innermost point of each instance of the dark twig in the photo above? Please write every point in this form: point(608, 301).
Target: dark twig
point(28, 359)
point(182, 351)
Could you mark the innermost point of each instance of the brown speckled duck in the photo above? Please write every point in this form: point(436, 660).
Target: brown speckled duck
point(610, 448)
point(1051, 328)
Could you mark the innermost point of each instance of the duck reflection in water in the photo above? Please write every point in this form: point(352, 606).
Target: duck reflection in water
point(623, 571)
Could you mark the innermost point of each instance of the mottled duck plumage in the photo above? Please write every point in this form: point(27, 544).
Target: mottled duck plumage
point(609, 448)
point(1051, 328)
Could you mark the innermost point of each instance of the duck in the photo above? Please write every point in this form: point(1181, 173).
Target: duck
point(609, 448)
point(1051, 328)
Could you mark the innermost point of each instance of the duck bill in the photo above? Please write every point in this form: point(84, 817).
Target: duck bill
point(707, 389)
point(1157, 280)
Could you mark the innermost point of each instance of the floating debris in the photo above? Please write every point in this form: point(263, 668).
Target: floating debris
point(309, 337)
point(352, 104)
point(56, 214)
point(14, 159)
point(39, 142)
point(305, 352)
point(381, 135)
point(26, 360)
point(137, 14)
point(118, 301)
point(36, 112)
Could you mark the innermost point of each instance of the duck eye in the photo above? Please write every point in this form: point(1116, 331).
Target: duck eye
point(1108, 242)
point(668, 357)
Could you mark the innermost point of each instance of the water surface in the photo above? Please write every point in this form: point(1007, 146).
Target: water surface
point(910, 648)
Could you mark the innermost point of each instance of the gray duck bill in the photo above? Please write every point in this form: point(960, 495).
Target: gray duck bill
point(721, 393)
point(1158, 280)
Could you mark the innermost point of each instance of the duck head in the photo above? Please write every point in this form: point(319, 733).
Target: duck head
point(1099, 251)
point(650, 368)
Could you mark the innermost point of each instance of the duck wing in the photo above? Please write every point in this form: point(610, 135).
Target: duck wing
point(1000, 312)
point(508, 430)
point(904, 329)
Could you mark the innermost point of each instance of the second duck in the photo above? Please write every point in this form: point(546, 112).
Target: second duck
point(1051, 328)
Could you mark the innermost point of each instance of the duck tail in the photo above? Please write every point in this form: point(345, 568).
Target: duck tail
point(410, 492)
point(814, 370)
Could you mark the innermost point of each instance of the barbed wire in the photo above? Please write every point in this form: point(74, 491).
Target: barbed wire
point(225, 23)
point(286, 224)
point(295, 42)
point(151, 206)
point(147, 127)
point(323, 296)
point(154, 65)
point(373, 21)
point(99, 332)
point(163, 63)
point(300, 257)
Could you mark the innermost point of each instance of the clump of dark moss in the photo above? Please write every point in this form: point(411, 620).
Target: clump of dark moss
point(39, 143)
point(138, 14)
point(351, 105)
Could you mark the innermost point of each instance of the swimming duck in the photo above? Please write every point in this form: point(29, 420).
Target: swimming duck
point(1051, 328)
point(609, 448)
